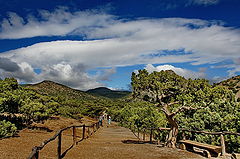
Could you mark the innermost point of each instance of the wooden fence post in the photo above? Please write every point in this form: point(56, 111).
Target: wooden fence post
point(144, 134)
point(193, 135)
point(183, 135)
point(138, 134)
point(151, 134)
point(223, 145)
point(74, 135)
point(158, 137)
point(88, 131)
point(83, 135)
point(59, 145)
point(36, 155)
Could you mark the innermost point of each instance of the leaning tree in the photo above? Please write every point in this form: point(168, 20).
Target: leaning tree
point(173, 94)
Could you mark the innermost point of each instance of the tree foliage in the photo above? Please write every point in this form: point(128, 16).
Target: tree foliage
point(18, 104)
point(192, 104)
point(7, 128)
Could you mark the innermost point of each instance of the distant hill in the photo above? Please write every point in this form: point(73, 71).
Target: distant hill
point(106, 92)
point(56, 89)
point(232, 84)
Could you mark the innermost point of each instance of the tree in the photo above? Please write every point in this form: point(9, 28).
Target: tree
point(9, 99)
point(175, 94)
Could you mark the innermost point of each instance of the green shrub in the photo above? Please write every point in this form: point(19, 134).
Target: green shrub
point(7, 128)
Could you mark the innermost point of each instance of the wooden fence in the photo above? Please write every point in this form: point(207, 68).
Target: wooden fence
point(221, 134)
point(88, 130)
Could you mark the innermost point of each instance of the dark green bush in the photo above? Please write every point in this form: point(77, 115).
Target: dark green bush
point(7, 128)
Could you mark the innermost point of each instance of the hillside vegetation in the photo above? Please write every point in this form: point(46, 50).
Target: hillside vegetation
point(58, 90)
point(21, 106)
point(232, 84)
point(74, 103)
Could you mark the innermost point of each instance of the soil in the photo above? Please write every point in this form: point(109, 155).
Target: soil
point(109, 142)
point(114, 142)
point(20, 147)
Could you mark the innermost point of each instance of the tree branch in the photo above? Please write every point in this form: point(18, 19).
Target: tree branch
point(184, 108)
point(165, 107)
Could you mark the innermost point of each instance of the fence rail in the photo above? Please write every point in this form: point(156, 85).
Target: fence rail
point(221, 134)
point(35, 150)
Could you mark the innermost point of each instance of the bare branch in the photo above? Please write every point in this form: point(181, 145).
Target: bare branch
point(184, 108)
point(165, 106)
point(172, 103)
point(165, 110)
point(159, 97)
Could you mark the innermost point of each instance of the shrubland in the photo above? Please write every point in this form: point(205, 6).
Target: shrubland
point(159, 99)
point(21, 106)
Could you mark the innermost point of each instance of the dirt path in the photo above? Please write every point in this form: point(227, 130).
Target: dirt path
point(115, 142)
point(112, 142)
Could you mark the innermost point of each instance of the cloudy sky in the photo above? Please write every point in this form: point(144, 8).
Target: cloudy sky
point(86, 44)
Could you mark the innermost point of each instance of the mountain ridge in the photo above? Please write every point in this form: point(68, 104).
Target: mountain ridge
point(56, 89)
point(106, 92)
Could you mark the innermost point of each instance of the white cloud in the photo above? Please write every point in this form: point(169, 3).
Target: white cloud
point(135, 42)
point(73, 76)
point(123, 43)
point(203, 2)
point(180, 71)
point(57, 23)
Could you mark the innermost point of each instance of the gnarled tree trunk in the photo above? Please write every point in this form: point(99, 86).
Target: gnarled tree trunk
point(172, 136)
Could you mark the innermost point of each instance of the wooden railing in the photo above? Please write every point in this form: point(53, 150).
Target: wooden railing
point(146, 132)
point(221, 134)
point(87, 131)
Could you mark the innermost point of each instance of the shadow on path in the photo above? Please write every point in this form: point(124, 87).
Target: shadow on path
point(66, 151)
point(137, 142)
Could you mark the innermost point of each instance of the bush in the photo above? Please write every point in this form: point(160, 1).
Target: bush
point(7, 128)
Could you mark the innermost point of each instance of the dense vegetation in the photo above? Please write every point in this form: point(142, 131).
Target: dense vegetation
point(21, 106)
point(233, 84)
point(138, 116)
point(73, 103)
point(192, 104)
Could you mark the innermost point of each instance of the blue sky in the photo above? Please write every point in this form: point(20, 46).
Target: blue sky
point(86, 44)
